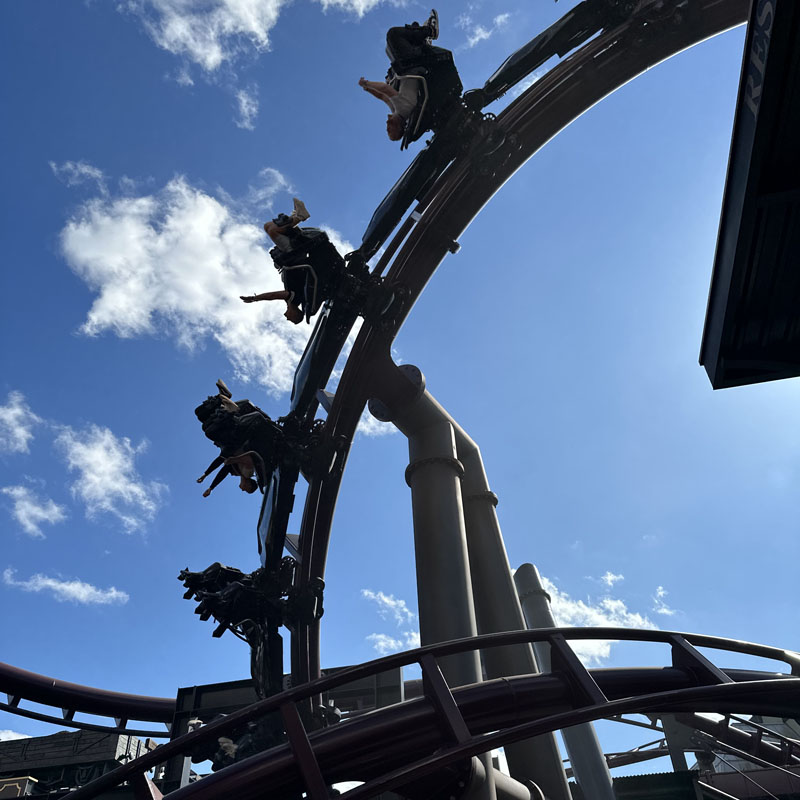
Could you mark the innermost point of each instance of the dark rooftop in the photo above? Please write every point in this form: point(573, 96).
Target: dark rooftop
point(752, 328)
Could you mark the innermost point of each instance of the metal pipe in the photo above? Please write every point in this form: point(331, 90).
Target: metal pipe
point(463, 561)
point(586, 757)
point(507, 788)
point(498, 609)
point(444, 590)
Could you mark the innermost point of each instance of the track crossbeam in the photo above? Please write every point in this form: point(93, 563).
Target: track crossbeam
point(438, 692)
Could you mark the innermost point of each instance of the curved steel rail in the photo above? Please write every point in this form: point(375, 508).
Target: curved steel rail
point(71, 698)
point(553, 102)
point(459, 723)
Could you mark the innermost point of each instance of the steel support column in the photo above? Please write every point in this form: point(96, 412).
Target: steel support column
point(444, 591)
point(589, 765)
point(459, 555)
point(498, 609)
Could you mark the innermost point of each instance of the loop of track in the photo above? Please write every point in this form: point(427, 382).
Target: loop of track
point(553, 102)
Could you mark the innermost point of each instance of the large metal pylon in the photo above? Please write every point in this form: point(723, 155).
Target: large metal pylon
point(464, 582)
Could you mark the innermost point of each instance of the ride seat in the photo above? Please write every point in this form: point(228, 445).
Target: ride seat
point(438, 88)
point(313, 252)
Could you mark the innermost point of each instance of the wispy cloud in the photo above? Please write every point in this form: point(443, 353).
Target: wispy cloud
point(32, 512)
point(659, 606)
point(609, 579)
point(369, 426)
point(605, 612)
point(247, 103)
point(210, 33)
point(74, 591)
point(478, 32)
point(211, 36)
point(108, 482)
point(357, 7)
point(389, 606)
point(384, 644)
point(393, 608)
point(17, 422)
point(261, 193)
point(74, 173)
point(526, 84)
point(10, 736)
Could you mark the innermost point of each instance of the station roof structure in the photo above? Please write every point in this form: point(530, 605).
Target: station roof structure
point(752, 326)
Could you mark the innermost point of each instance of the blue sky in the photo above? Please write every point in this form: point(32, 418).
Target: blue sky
point(143, 148)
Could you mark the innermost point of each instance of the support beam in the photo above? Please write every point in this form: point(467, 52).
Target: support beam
point(585, 754)
point(460, 554)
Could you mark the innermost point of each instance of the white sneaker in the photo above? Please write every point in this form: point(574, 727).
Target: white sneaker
point(300, 210)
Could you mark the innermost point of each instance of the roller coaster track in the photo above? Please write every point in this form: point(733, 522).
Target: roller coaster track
point(393, 746)
point(553, 102)
point(71, 698)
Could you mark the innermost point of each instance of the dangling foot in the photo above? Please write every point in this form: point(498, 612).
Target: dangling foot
point(433, 25)
point(300, 212)
point(228, 404)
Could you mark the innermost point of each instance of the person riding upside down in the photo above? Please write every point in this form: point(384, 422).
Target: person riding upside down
point(422, 80)
point(247, 438)
point(307, 261)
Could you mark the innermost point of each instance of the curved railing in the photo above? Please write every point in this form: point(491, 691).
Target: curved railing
point(456, 723)
point(71, 698)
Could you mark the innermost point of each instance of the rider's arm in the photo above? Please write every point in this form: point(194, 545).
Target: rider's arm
point(279, 295)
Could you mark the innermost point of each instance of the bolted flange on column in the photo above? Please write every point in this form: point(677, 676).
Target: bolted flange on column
point(414, 375)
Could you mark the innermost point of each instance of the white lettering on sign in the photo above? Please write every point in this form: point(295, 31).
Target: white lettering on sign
point(762, 31)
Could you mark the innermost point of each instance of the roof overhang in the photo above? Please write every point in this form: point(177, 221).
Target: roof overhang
point(752, 326)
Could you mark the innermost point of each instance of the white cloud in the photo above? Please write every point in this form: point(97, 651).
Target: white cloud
point(107, 478)
point(74, 591)
point(390, 607)
point(183, 77)
point(261, 194)
point(208, 33)
point(32, 512)
point(247, 103)
point(385, 644)
point(175, 262)
point(607, 612)
point(479, 33)
point(526, 84)
point(370, 426)
point(16, 424)
point(73, 173)
point(9, 736)
point(357, 7)
point(609, 579)
point(659, 606)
